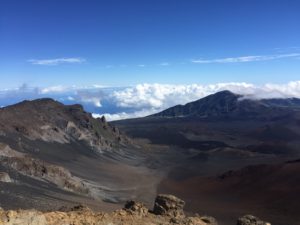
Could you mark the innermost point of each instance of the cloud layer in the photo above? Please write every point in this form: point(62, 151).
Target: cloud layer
point(144, 99)
point(57, 61)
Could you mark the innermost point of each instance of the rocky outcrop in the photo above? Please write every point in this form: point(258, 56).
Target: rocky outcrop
point(136, 208)
point(251, 220)
point(39, 169)
point(169, 205)
point(29, 217)
point(133, 213)
point(209, 220)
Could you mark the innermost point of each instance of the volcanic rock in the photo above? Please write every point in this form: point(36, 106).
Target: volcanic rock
point(251, 220)
point(136, 208)
point(134, 213)
point(4, 177)
point(209, 220)
point(168, 205)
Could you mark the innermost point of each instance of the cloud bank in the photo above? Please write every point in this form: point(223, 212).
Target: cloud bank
point(152, 98)
point(145, 99)
point(164, 95)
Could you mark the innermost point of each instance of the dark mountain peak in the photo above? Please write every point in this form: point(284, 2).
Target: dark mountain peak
point(45, 101)
point(225, 93)
point(47, 106)
point(41, 103)
point(212, 105)
point(227, 103)
point(222, 97)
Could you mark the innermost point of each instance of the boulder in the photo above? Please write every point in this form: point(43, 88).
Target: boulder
point(195, 221)
point(251, 220)
point(75, 208)
point(136, 208)
point(169, 205)
point(209, 220)
point(29, 217)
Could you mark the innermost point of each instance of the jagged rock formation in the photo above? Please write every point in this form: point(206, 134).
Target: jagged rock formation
point(251, 220)
point(169, 205)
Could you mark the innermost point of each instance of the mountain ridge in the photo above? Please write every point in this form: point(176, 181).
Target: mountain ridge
point(50, 120)
point(225, 103)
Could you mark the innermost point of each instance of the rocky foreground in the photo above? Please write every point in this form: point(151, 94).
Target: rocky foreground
point(167, 209)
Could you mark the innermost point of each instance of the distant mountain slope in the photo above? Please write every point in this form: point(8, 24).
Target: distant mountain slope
point(226, 103)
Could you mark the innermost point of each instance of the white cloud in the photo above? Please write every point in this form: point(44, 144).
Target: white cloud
point(141, 65)
point(54, 62)
point(160, 96)
point(96, 101)
point(53, 89)
point(241, 59)
point(124, 115)
point(164, 64)
point(93, 96)
point(98, 86)
point(64, 89)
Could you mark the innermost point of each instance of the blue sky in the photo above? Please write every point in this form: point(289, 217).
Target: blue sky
point(124, 43)
point(126, 58)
